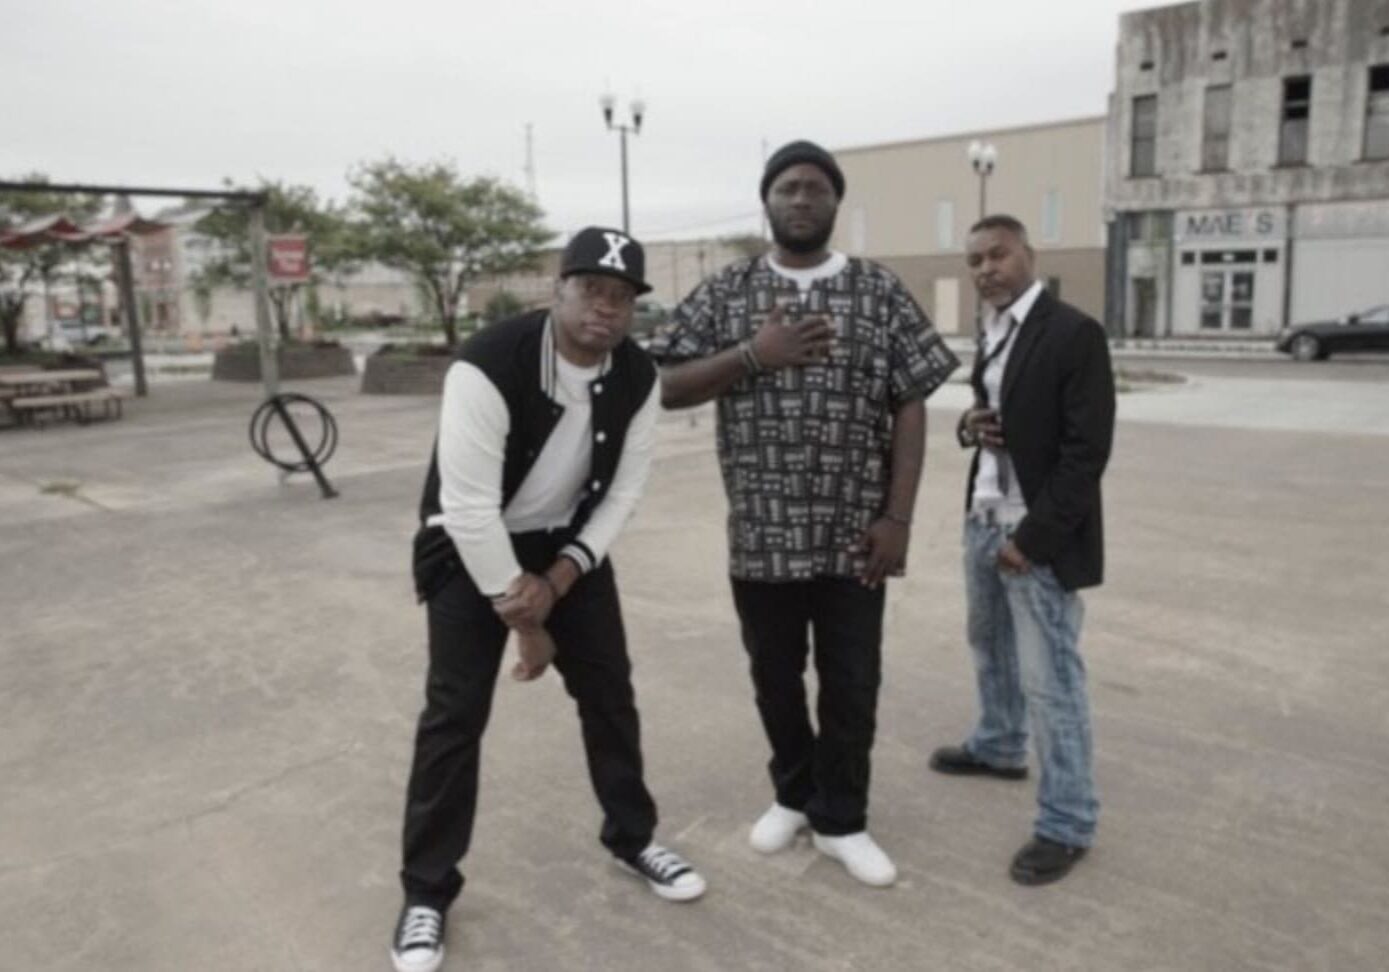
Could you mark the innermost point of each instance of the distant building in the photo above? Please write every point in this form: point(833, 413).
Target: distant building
point(1247, 166)
point(158, 279)
point(909, 205)
point(167, 266)
point(673, 268)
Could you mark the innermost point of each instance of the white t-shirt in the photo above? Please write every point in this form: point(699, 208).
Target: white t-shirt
point(805, 276)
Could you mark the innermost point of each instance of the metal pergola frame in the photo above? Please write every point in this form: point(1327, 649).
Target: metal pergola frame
point(254, 201)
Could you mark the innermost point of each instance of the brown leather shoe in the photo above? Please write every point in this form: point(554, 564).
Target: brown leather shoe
point(1042, 861)
point(959, 761)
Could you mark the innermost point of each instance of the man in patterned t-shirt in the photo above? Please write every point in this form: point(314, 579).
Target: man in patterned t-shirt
point(821, 365)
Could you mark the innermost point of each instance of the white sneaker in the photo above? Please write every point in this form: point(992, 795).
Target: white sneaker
point(418, 942)
point(861, 857)
point(667, 873)
point(776, 829)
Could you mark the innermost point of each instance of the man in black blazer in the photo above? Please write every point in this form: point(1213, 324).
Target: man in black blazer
point(1041, 427)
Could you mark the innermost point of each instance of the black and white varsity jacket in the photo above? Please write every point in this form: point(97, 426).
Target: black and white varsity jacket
point(515, 359)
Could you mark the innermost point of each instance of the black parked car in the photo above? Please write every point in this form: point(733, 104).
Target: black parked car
point(1366, 331)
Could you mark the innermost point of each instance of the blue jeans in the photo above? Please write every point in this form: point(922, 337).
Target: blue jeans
point(1024, 631)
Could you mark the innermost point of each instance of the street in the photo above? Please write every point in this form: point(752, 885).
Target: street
point(208, 681)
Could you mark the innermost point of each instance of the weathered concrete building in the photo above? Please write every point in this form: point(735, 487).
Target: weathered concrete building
point(909, 205)
point(1247, 166)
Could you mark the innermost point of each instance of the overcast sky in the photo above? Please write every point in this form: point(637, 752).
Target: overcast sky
point(182, 94)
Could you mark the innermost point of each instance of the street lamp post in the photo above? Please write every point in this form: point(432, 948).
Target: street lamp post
point(638, 109)
point(982, 156)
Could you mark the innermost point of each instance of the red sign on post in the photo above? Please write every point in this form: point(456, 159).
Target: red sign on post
point(287, 259)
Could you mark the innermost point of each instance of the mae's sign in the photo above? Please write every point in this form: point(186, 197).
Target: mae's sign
point(1220, 225)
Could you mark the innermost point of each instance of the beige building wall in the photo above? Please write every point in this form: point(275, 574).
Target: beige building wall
point(910, 204)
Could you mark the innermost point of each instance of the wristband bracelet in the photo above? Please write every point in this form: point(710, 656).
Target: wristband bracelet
point(749, 357)
point(554, 591)
point(904, 520)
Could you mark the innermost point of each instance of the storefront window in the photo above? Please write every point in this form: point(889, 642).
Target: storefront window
point(1227, 291)
point(1377, 114)
point(1148, 227)
point(1212, 298)
point(1242, 300)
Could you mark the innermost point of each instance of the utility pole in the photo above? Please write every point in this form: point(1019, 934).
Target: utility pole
point(638, 108)
point(125, 278)
point(269, 363)
point(530, 163)
point(982, 157)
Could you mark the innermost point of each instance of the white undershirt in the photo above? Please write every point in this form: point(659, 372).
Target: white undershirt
point(986, 491)
point(803, 277)
point(473, 426)
point(550, 493)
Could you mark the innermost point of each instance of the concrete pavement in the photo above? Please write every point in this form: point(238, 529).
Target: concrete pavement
point(208, 681)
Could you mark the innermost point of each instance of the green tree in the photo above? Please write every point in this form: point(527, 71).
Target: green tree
point(21, 270)
point(502, 305)
point(443, 230)
point(288, 209)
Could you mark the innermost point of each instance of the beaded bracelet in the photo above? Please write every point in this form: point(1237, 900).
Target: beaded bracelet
point(749, 357)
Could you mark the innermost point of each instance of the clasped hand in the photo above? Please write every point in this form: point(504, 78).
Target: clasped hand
point(779, 343)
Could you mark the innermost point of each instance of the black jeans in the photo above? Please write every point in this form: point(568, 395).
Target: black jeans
point(826, 776)
point(466, 641)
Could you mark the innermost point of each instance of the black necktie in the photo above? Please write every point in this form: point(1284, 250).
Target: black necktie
point(982, 361)
point(981, 394)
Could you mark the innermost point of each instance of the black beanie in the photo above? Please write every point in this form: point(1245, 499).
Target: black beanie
point(794, 153)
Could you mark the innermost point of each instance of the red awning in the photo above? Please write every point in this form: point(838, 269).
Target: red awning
point(60, 229)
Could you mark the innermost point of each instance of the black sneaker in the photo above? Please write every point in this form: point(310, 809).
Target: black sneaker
point(1042, 861)
point(959, 761)
point(667, 873)
point(418, 944)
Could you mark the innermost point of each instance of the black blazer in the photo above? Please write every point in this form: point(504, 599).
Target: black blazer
point(1058, 423)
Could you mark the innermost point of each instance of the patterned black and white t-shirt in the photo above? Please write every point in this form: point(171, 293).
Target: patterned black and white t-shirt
point(805, 450)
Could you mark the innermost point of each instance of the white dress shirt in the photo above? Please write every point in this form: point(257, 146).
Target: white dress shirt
point(1010, 507)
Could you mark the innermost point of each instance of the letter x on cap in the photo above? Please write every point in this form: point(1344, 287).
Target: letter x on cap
point(597, 249)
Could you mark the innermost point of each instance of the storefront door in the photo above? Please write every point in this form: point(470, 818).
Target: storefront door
point(1227, 290)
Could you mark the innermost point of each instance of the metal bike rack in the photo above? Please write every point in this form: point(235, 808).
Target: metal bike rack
point(313, 459)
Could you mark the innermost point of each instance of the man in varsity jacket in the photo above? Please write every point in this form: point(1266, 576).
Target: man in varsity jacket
point(544, 446)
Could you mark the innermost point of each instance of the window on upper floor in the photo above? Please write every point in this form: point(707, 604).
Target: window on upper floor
point(1051, 216)
point(858, 230)
point(945, 224)
point(1143, 141)
point(1215, 129)
point(1377, 114)
point(1296, 115)
point(1154, 226)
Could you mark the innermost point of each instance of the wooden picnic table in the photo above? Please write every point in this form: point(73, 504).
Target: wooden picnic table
point(70, 392)
point(64, 380)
